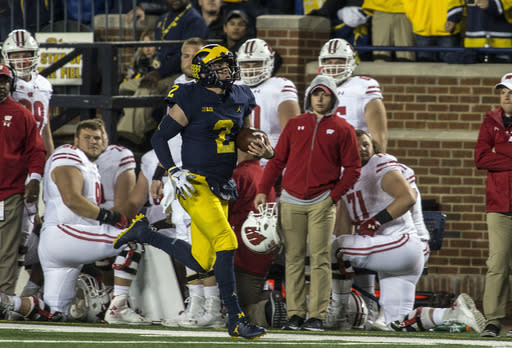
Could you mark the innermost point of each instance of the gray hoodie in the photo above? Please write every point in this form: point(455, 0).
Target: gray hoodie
point(328, 82)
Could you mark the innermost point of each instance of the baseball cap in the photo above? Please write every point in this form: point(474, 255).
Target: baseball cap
point(323, 87)
point(506, 81)
point(4, 70)
point(235, 14)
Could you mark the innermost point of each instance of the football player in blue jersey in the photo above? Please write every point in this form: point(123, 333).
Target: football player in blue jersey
point(208, 114)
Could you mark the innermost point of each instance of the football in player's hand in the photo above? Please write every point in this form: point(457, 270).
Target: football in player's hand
point(247, 136)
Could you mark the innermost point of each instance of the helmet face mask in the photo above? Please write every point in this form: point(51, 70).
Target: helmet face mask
point(255, 51)
point(91, 300)
point(337, 59)
point(21, 51)
point(210, 62)
point(259, 231)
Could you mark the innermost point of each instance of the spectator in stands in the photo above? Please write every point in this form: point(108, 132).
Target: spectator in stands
point(212, 12)
point(428, 25)
point(390, 27)
point(486, 26)
point(23, 156)
point(142, 63)
point(264, 308)
point(180, 23)
point(311, 189)
point(493, 152)
point(236, 30)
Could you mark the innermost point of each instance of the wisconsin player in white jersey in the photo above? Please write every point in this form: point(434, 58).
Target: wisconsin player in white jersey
point(386, 239)
point(360, 97)
point(76, 231)
point(276, 97)
point(21, 51)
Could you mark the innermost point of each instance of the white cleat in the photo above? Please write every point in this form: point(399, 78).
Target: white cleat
point(335, 314)
point(120, 313)
point(212, 316)
point(464, 311)
point(194, 307)
point(6, 305)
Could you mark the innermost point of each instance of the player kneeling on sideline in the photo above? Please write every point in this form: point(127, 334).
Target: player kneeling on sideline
point(76, 231)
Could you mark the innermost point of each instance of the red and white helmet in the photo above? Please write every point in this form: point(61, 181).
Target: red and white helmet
point(20, 40)
point(339, 49)
point(91, 300)
point(356, 313)
point(259, 231)
point(255, 50)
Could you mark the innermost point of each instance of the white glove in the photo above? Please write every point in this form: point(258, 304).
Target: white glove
point(169, 195)
point(353, 16)
point(180, 178)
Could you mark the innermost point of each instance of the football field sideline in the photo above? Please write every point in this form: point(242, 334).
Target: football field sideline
point(51, 335)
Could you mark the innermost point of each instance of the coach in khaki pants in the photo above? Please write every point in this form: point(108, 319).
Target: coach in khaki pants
point(312, 147)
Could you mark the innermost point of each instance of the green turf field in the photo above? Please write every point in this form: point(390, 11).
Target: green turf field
point(86, 335)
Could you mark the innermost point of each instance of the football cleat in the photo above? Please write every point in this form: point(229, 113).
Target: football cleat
point(119, 313)
point(335, 314)
point(464, 311)
point(242, 328)
point(212, 316)
point(278, 307)
point(6, 305)
point(133, 232)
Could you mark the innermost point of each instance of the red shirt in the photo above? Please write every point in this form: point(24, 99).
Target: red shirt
point(493, 151)
point(313, 152)
point(247, 174)
point(22, 150)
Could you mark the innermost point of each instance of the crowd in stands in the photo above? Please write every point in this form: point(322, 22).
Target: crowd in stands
point(197, 188)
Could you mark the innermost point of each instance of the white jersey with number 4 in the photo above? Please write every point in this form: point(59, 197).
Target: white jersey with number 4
point(113, 162)
point(269, 95)
point(353, 95)
point(56, 211)
point(367, 198)
point(35, 95)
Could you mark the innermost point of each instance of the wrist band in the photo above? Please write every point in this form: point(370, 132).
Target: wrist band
point(383, 216)
point(159, 173)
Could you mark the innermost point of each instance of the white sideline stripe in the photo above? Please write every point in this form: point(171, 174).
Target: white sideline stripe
point(282, 338)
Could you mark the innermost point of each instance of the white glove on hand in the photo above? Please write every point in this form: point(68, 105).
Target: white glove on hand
point(169, 195)
point(180, 178)
point(353, 16)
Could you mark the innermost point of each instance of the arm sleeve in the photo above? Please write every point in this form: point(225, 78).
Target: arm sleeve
point(166, 130)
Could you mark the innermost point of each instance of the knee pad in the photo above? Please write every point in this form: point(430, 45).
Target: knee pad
point(126, 263)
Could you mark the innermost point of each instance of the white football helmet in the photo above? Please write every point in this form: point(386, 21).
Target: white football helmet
point(337, 49)
point(255, 50)
point(259, 231)
point(356, 313)
point(20, 40)
point(91, 300)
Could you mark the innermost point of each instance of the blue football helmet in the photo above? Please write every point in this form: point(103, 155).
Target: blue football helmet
point(203, 71)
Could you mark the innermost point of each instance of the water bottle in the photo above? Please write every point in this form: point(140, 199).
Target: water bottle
point(454, 327)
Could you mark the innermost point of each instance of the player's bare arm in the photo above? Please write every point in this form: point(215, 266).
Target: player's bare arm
point(287, 110)
point(122, 189)
point(48, 140)
point(138, 197)
point(375, 116)
point(69, 181)
point(342, 224)
point(394, 184)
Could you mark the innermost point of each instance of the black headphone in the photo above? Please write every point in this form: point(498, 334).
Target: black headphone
point(13, 82)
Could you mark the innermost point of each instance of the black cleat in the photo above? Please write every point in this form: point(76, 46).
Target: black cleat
point(242, 328)
point(132, 233)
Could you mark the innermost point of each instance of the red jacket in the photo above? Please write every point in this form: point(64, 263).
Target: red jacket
point(22, 150)
point(313, 154)
point(493, 151)
point(247, 174)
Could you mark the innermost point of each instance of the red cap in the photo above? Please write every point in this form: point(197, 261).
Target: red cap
point(4, 70)
point(324, 88)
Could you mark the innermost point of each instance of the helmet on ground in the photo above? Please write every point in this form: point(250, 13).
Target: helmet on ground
point(206, 74)
point(255, 50)
point(91, 300)
point(337, 49)
point(356, 313)
point(20, 40)
point(259, 231)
